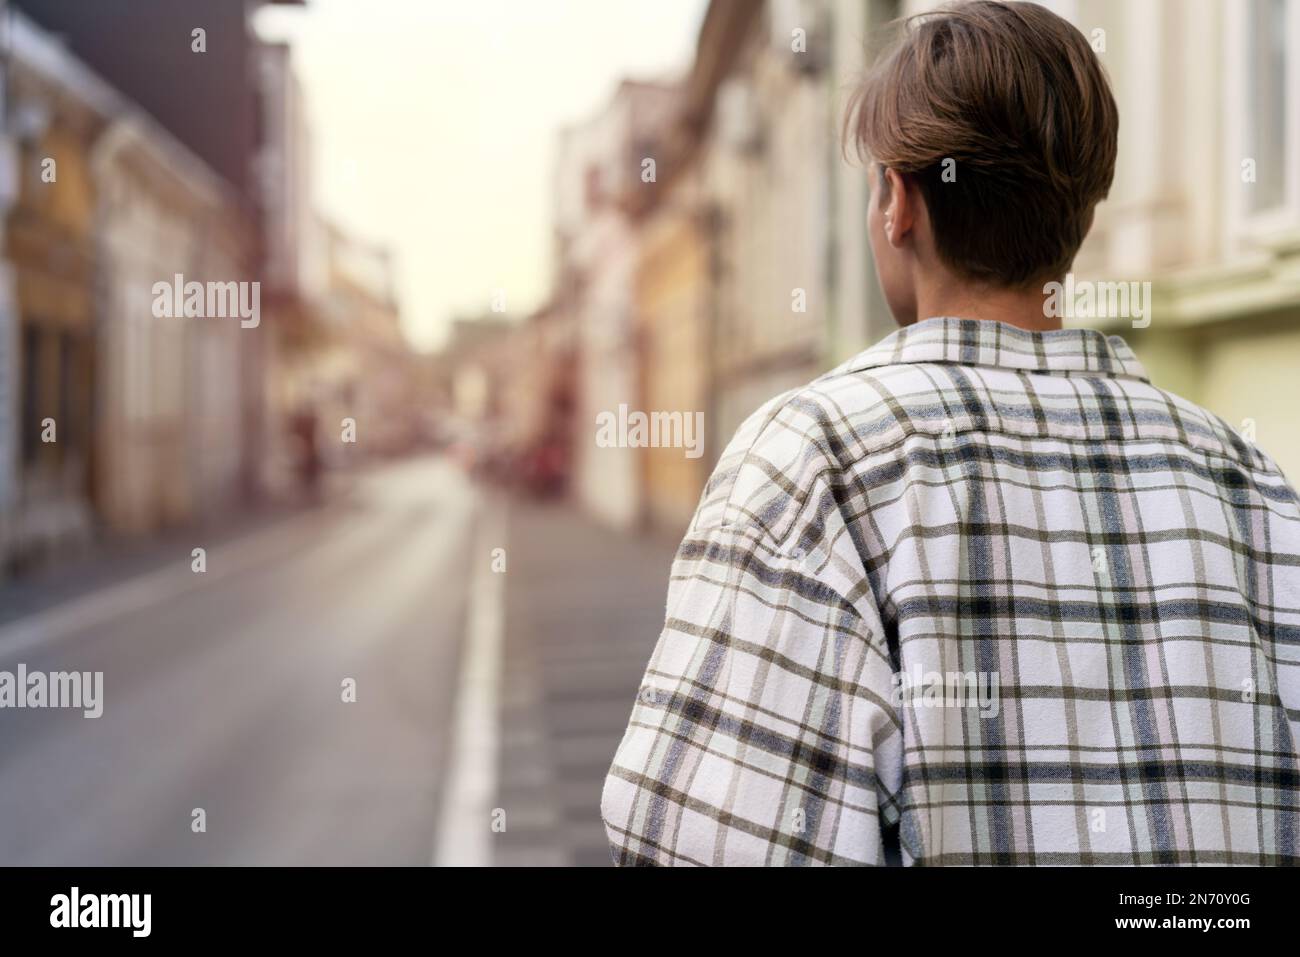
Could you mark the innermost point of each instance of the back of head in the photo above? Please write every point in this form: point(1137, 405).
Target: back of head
point(1016, 99)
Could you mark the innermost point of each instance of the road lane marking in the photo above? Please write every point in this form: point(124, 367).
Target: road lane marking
point(465, 819)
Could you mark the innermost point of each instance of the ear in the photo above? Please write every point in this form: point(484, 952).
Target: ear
point(900, 207)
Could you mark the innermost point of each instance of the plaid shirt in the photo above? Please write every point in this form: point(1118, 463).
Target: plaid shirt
point(978, 596)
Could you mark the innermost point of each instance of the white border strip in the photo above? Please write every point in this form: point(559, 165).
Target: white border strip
point(465, 822)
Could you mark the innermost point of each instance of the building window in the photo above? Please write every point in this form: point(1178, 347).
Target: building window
point(74, 407)
point(1263, 116)
point(32, 380)
point(1267, 96)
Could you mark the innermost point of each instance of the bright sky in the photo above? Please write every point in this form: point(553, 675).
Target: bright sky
point(434, 125)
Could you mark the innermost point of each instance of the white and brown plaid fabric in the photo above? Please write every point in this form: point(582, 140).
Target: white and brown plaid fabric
point(978, 596)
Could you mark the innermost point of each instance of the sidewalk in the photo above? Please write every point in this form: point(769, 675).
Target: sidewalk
point(584, 607)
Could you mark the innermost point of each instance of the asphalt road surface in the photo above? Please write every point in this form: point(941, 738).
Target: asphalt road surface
point(223, 691)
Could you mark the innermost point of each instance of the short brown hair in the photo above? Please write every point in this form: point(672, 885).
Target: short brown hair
point(1017, 98)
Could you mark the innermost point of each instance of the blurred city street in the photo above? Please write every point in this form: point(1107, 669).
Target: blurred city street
point(438, 400)
point(222, 690)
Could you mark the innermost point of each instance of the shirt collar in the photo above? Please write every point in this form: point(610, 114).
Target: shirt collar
point(983, 342)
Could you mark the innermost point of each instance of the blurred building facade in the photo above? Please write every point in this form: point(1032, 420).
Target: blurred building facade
point(168, 430)
point(741, 269)
point(53, 116)
point(677, 281)
point(372, 382)
point(602, 162)
point(1206, 202)
point(673, 303)
point(295, 356)
point(147, 430)
point(213, 103)
point(130, 156)
point(545, 395)
point(476, 386)
point(765, 165)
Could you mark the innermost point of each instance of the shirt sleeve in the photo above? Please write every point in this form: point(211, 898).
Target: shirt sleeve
point(764, 731)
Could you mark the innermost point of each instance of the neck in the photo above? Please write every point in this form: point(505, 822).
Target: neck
point(1022, 308)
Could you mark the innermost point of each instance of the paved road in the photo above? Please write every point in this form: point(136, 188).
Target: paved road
point(223, 692)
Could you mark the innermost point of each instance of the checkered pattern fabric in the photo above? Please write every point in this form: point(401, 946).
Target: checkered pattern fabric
point(978, 596)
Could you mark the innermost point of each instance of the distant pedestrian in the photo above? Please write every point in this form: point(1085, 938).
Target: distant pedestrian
point(304, 430)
